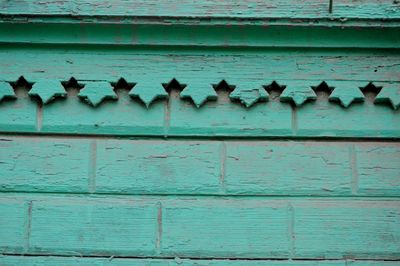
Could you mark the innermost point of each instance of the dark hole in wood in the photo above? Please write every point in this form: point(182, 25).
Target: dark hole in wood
point(21, 87)
point(323, 91)
point(122, 87)
point(370, 91)
point(223, 90)
point(274, 90)
point(72, 87)
point(174, 87)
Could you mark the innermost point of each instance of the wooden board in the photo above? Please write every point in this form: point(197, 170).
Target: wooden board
point(182, 227)
point(83, 165)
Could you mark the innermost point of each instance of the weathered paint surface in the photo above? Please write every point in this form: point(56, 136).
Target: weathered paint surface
point(83, 165)
point(171, 226)
point(200, 132)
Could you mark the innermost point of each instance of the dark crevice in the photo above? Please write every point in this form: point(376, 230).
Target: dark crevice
point(122, 87)
point(72, 87)
point(323, 91)
point(274, 90)
point(370, 91)
point(109, 256)
point(223, 90)
point(21, 87)
point(174, 86)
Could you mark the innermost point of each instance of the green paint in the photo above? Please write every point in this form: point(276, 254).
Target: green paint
point(251, 132)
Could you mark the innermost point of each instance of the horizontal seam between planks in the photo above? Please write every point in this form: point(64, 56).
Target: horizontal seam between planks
point(197, 258)
point(4, 135)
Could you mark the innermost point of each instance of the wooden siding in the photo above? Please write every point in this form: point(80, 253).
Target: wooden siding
point(201, 132)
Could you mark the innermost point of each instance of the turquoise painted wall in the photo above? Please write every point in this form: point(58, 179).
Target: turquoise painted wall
point(200, 132)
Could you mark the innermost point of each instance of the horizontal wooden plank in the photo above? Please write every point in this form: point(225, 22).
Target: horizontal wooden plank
point(67, 261)
point(35, 164)
point(371, 9)
point(229, 167)
point(324, 119)
point(167, 167)
point(18, 116)
point(177, 34)
point(13, 225)
point(112, 117)
point(182, 227)
point(236, 228)
point(377, 169)
point(199, 67)
point(307, 168)
point(330, 229)
point(100, 226)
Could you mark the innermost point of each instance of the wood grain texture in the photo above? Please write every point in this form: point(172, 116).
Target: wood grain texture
point(287, 168)
point(115, 117)
point(182, 226)
point(167, 167)
point(240, 67)
point(324, 119)
point(371, 9)
point(14, 225)
point(304, 168)
point(100, 226)
point(381, 164)
point(329, 229)
point(67, 261)
point(44, 165)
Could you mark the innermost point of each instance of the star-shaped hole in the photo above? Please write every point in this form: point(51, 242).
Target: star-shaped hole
point(21, 87)
point(323, 91)
point(274, 90)
point(72, 86)
point(173, 87)
point(370, 91)
point(122, 87)
point(223, 90)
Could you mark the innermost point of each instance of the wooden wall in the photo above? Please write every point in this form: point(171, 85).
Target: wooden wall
point(200, 132)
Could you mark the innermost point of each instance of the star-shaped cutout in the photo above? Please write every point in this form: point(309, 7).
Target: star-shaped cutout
point(297, 92)
point(346, 92)
point(390, 93)
point(248, 97)
point(96, 92)
point(148, 91)
point(199, 92)
point(48, 90)
point(6, 91)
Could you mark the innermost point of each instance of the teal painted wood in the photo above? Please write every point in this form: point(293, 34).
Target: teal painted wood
point(202, 67)
point(175, 226)
point(18, 115)
point(306, 168)
point(369, 9)
point(226, 34)
point(381, 163)
point(238, 228)
point(83, 165)
point(93, 226)
point(34, 164)
point(13, 225)
point(363, 119)
point(166, 167)
point(67, 261)
point(330, 229)
point(122, 117)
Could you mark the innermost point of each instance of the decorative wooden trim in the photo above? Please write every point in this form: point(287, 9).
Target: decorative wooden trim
point(298, 92)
